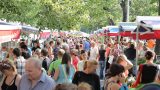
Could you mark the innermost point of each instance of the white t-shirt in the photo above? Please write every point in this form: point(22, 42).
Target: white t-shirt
point(93, 53)
point(80, 65)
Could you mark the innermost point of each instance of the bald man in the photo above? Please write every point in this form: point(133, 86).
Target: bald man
point(35, 78)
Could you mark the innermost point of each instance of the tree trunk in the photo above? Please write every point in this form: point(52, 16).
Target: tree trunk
point(157, 47)
point(158, 7)
point(123, 5)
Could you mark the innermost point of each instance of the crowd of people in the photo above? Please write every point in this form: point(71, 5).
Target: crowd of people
point(67, 63)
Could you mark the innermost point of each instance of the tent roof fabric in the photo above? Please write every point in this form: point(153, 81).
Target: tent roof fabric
point(9, 27)
point(128, 26)
point(24, 27)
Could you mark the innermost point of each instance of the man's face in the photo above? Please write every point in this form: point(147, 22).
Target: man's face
point(31, 71)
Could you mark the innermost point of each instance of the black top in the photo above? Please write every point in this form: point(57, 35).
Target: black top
point(34, 48)
point(149, 73)
point(102, 55)
point(44, 64)
point(91, 79)
point(130, 53)
point(26, 55)
point(9, 87)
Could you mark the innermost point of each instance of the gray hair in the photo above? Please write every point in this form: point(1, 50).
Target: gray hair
point(36, 61)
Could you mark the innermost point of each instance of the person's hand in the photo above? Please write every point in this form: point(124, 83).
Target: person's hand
point(122, 78)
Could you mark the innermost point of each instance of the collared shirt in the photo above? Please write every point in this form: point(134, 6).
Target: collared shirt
point(44, 83)
point(20, 65)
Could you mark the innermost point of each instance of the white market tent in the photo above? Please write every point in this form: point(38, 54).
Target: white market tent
point(8, 33)
point(150, 25)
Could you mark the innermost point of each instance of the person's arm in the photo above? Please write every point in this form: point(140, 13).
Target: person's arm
point(18, 80)
point(50, 69)
point(56, 74)
point(97, 53)
point(75, 79)
point(129, 64)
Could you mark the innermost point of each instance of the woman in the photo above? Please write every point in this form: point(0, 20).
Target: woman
point(37, 53)
point(102, 60)
point(36, 45)
point(75, 58)
point(11, 79)
point(84, 86)
point(66, 86)
point(83, 59)
point(147, 72)
point(55, 64)
point(115, 75)
point(88, 75)
point(64, 73)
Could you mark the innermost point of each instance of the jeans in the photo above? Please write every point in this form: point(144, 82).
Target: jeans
point(102, 67)
point(134, 68)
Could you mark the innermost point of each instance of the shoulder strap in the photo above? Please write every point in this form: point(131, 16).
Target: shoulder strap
point(15, 78)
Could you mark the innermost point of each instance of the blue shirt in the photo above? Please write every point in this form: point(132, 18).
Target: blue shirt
point(44, 83)
point(30, 51)
point(86, 46)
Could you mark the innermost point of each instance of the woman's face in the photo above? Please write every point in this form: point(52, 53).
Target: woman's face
point(35, 44)
point(122, 77)
point(84, 56)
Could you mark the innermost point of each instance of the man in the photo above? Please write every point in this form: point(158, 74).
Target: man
point(35, 78)
point(19, 61)
point(46, 61)
point(131, 55)
point(86, 45)
point(93, 52)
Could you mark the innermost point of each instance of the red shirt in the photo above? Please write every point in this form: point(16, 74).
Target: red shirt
point(75, 60)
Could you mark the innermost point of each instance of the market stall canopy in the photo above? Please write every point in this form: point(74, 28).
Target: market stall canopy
point(25, 28)
point(126, 28)
point(112, 31)
point(8, 33)
point(29, 29)
point(149, 27)
point(45, 34)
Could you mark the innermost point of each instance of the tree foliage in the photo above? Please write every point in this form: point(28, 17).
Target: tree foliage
point(72, 14)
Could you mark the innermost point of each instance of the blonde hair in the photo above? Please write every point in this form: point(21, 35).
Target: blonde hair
point(91, 63)
point(7, 65)
point(84, 86)
point(66, 86)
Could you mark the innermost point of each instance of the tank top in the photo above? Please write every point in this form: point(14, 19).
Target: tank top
point(9, 87)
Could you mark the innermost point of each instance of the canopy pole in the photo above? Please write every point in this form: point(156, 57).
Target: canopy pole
point(137, 40)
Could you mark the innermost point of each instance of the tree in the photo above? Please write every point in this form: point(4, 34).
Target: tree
point(123, 4)
point(157, 47)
